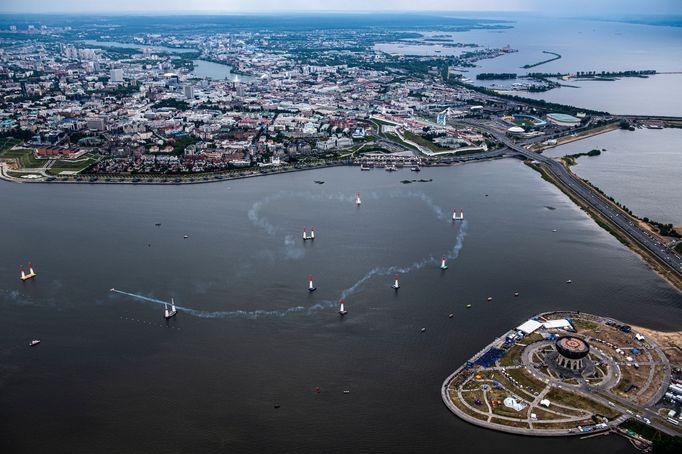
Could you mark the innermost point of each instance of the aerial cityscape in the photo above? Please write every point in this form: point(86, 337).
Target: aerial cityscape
point(340, 227)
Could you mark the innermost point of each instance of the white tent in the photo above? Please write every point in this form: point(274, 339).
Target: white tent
point(561, 323)
point(529, 326)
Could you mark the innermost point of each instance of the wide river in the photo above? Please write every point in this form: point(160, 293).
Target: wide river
point(112, 376)
point(641, 169)
point(584, 46)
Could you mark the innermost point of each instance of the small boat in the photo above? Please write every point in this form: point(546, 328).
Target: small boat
point(186, 236)
point(553, 230)
point(415, 169)
point(34, 342)
point(311, 288)
point(357, 200)
point(363, 167)
point(443, 265)
point(516, 293)
point(390, 168)
point(346, 391)
point(319, 182)
point(423, 330)
point(170, 314)
point(158, 224)
point(451, 315)
point(569, 281)
point(468, 306)
point(490, 298)
point(276, 405)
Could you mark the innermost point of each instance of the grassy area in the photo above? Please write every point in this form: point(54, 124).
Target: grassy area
point(27, 160)
point(423, 141)
point(561, 425)
point(393, 137)
point(581, 325)
point(544, 415)
point(575, 400)
point(6, 144)
point(505, 422)
point(71, 166)
point(501, 410)
point(525, 379)
point(512, 357)
point(459, 404)
point(678, 247)
point(378, 121)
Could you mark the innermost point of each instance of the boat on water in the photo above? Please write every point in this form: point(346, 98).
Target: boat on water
point(311, 287)
point(415, 169)
point(390, 168)
point(468, 306)
point(34, 342)
point(364, 167)
point(319, 182)
point(169, 314)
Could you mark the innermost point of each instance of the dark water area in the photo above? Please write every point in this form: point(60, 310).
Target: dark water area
point(641, 169)
point(112, 376)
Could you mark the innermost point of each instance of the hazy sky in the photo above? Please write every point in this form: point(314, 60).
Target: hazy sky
point(561, 7)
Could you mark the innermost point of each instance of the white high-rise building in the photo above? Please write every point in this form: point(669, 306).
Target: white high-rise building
point(116, 75)
point(189, 92)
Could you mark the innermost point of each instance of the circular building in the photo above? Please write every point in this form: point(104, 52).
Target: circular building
point(560, 119)
point(516, 131)
point(572, 352)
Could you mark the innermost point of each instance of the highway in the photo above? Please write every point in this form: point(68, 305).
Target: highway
point(589, 196)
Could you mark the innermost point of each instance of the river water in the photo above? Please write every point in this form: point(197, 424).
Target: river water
point(112, 376)
point(641, 169)
point(584, 46)
point(216, 71)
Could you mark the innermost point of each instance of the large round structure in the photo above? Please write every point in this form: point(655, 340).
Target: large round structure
point(572, 351)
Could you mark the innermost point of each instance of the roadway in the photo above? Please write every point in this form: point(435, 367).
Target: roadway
point(594, 200)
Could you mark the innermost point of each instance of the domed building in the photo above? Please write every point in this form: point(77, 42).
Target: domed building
point(572, 353)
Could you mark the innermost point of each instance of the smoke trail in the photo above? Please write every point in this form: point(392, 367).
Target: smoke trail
point(254, 213)
point(231, 314)
point(378, 271)
point(293, 249)
point(424, 198)
point(414, 266)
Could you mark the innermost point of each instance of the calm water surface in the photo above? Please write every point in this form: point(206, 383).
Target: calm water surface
point(640, 169)
point(176, 50)
point(216, 71)
point(112, 376)
point(585, 46)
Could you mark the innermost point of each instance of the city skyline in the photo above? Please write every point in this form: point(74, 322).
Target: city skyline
point(578, 8)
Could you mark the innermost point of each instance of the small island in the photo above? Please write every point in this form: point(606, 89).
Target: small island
point(568, 373)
